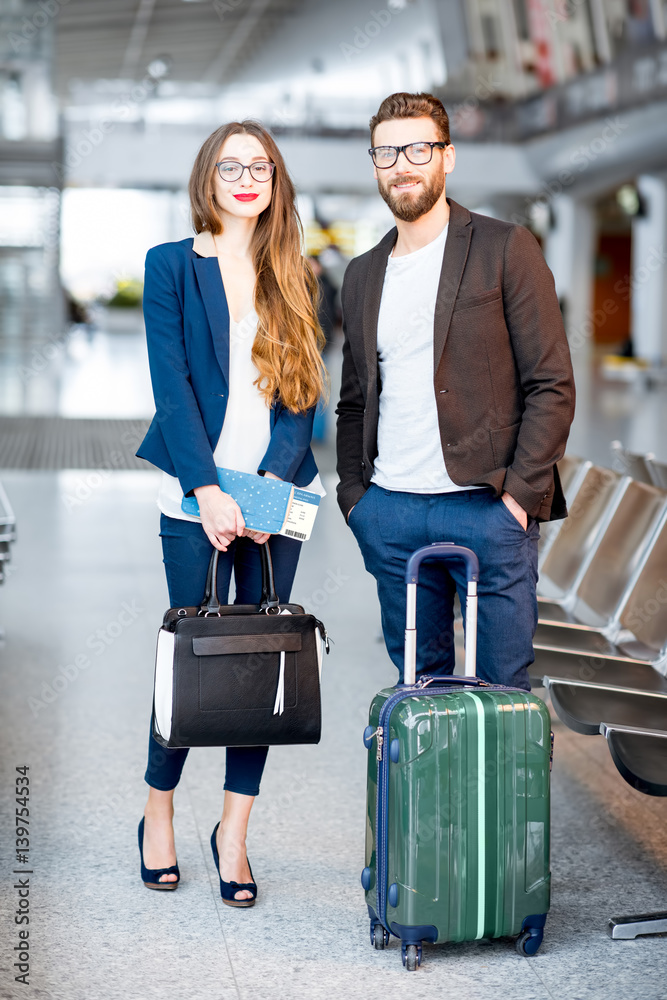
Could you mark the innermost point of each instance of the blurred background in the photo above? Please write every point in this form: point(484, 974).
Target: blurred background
point(558, 112)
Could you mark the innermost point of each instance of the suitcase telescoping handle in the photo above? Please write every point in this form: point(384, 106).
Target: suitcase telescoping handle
point(445, 552)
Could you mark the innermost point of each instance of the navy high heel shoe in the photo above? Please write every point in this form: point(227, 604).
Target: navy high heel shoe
point(229, 889)
point(151, 876)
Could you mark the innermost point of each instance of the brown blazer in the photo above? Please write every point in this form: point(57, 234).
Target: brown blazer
point(503, 382)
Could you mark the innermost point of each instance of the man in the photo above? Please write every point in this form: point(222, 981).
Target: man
point(456, 401)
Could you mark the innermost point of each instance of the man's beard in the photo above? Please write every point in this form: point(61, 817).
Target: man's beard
point(406, 206)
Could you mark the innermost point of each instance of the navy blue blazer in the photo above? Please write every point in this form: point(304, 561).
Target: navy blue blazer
point(187, 332)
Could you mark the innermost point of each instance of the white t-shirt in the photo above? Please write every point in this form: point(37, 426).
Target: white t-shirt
point(409, 455)
point(246, 431)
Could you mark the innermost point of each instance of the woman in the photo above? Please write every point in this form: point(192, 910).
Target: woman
point(234, 348)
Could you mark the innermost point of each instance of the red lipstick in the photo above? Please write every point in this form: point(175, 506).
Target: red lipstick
point(246, 197)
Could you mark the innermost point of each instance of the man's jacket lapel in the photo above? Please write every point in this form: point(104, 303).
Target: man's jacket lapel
point(454, 260)
point(372, 297)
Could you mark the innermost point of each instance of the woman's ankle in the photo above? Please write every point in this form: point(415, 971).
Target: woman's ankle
point(158, 808)
point(233, 832)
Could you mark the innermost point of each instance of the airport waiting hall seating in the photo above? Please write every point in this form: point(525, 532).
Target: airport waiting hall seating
point(594, 616)
point(565, 562)
point(640, 756)
point(645, 468)
point(637, 631)
point(613, 682)
point(633, 720)
point(7, 535)
point(630, 463)
point(658, 472)
point(571, 472)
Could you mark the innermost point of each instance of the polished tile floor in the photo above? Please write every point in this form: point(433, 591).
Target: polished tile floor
point(80, 607)
point(77, 680)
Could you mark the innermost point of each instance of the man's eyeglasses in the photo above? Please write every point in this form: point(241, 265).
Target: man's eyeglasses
point(260, 170)
point(415, 152)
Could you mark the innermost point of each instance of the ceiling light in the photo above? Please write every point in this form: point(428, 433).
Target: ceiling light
point(627, 197)
point(160, 66)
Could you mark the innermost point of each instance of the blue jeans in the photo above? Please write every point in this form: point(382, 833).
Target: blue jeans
point(186, 554)
point(389, 526)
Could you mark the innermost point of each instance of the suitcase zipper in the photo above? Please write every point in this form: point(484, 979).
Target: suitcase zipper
point(380, 816)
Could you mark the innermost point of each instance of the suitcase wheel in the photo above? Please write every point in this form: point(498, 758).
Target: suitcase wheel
point(532, 933)
point(412, 956)
point(379, 937)
point(528, 942)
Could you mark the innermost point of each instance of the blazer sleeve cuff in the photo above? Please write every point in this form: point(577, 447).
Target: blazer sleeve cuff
point(287, 449)
point(349, 496)
point(190, 484)
point(532, 501)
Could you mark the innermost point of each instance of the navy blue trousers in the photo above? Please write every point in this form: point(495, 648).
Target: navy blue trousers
point(389, 526)
point(186, 554)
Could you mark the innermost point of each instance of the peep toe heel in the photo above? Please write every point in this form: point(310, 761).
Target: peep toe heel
point(228, 890)
point(151, 876)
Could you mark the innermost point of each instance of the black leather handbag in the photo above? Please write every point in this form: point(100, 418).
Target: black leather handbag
point(238, 674)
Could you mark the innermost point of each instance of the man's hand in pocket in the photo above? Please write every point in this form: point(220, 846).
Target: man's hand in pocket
point(515, 509)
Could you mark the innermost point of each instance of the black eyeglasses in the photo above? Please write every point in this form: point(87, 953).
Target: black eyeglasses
point(415, 152)
point(230, 170)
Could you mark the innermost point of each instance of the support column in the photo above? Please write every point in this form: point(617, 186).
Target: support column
point(649, 271)
point(569, 250)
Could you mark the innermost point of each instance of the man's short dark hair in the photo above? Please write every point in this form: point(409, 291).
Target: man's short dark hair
point(404, 105)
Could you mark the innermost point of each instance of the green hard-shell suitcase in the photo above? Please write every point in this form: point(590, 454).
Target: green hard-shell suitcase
point(457, 831)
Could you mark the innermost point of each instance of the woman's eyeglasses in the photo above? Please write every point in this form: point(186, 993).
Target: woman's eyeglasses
point(230, 170)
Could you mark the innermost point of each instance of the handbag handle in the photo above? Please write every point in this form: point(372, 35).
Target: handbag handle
point(269, 597)
point(269, 602)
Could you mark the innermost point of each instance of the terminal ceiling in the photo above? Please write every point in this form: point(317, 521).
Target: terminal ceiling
point(204, 42)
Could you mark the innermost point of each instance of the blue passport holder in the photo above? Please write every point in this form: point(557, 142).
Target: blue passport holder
point(266, 504)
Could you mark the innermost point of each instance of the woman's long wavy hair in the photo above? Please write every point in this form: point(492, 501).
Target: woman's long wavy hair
point(287, 348)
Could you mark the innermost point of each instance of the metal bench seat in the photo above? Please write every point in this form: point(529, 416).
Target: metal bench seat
point(589, 642)
point(629, 674)
point(7, 518)
point(608, 683)
point(7, 536)
point(571, 472)
point(612, 564)
point(658, 472)
point(637, 585)
point(567, 559)
point(553, 613)
point(583, 706)
point(640, 755)
point(632, 463)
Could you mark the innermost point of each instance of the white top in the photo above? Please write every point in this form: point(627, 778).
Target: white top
point(409, 455)
point(246, 431)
